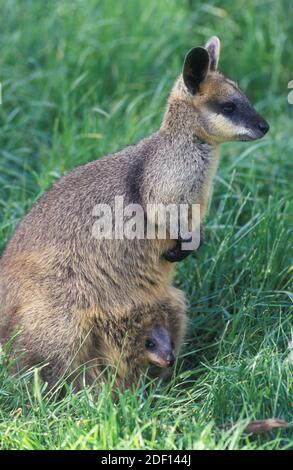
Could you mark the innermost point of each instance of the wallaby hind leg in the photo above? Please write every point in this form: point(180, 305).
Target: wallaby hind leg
point(58, 341)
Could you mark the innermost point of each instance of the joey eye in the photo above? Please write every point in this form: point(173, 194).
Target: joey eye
point(228, 108)
point(149, 344)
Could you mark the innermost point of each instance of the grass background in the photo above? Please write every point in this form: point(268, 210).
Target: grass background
point(81, 79)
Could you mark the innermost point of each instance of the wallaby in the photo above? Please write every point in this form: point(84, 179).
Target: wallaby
point(58, 282)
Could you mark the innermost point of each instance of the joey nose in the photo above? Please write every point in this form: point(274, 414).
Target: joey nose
point(263, 126)
point(170, 360)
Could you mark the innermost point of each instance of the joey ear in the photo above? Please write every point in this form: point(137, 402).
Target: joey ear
point(195, 68)
point(213, 47)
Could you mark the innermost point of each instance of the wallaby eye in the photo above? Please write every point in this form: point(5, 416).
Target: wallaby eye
point(228, 107)
point(149, 344)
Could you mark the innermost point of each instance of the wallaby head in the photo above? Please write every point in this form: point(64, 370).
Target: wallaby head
point(159, 347)
point(210, 105)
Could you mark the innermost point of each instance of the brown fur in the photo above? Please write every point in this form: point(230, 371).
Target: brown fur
point(74, 299)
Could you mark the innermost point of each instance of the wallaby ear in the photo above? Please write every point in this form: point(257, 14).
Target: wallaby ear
point(195, 68)
point(213, 47)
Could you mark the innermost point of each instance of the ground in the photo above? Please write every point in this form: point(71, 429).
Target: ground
point(82, 79)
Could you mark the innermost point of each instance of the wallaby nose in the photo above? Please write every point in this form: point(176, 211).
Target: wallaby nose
point(263, 127)
point(170, 360)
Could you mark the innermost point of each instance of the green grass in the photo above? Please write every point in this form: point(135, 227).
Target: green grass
point(81, 79)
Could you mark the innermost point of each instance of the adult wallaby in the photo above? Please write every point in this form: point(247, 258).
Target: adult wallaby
point(61, 289)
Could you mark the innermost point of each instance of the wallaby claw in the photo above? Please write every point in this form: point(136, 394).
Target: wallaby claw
point(177, 253)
